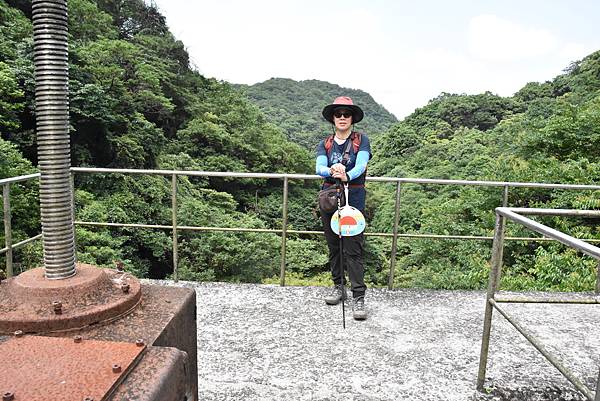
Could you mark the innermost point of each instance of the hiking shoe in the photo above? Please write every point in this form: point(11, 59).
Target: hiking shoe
point(358, 308)
point(337, 294)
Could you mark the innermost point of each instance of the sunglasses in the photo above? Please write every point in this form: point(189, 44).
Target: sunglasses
point(345, 114)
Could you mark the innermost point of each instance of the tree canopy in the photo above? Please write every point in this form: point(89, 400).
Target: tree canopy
point(296, 108)
point(546, 132)
point(136, 102)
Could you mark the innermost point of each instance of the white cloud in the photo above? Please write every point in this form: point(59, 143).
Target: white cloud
point(273, 39)
point(353, 44)
point(495, 39)
point(574, 51)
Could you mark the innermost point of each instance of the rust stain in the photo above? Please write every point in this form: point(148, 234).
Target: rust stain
point(160, 376)
point(33, 304)
point(51, 368)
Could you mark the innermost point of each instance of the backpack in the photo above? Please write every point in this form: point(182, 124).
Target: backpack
point(355, 138)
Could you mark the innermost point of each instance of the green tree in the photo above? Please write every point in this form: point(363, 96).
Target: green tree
point(11, 100)
point(296, 108)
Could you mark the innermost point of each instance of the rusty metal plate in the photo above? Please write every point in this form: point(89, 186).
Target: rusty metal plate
point(50, 368)
point(33, 304)
point(161, 375)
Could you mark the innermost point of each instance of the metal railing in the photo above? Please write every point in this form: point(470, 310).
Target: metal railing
point(9, 247)
point(284, 231)
point(493, 300)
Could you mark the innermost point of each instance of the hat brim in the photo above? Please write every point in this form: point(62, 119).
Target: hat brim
point(357, 113)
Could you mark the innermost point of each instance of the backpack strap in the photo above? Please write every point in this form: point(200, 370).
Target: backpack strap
point(355, 138)
point(328, 143)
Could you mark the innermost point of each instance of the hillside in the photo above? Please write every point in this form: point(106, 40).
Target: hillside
point(546, 132)
point(137, 103)
point(296, 108)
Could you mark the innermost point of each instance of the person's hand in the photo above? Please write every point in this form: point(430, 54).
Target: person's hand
point(337, 168)
point(341, 175)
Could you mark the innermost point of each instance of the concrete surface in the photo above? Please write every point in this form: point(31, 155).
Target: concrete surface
point(264, 342)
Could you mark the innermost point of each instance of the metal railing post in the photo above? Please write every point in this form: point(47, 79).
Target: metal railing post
point(494, 281)
point(174, 214)
point(501, 250)
point(598, 278)
point(284, 231)
point(7, 230)
point(395, 236)
point(72, 182)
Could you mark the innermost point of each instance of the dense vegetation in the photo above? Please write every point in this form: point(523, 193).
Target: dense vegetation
point(296, 106)
point(136, 103)
point(546, 132)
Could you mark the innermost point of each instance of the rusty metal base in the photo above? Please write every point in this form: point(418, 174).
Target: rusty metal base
point(64, 369)
point(33, 304)
point(165, 321)
point(166, 317)
point(162, 375)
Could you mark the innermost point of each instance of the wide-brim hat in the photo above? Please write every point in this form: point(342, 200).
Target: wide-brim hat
point(346, 103)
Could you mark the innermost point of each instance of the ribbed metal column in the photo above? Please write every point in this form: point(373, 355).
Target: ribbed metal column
point(54, 156)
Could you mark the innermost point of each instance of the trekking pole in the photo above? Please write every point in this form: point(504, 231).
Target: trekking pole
point(339, 212)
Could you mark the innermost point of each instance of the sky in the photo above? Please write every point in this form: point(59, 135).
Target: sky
point(403, 53)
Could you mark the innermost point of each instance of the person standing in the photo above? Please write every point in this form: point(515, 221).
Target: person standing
point(343, 156)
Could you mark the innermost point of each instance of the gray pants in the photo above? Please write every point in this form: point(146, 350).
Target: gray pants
point(353, 248)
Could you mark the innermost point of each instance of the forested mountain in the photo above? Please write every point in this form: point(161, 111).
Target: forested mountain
point(546, 132)
point(136, 103)
point(296, 108)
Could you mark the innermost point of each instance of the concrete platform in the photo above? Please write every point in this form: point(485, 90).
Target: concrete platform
point(262, 342)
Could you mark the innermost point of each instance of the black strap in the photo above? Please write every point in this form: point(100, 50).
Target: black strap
point(346, 156)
